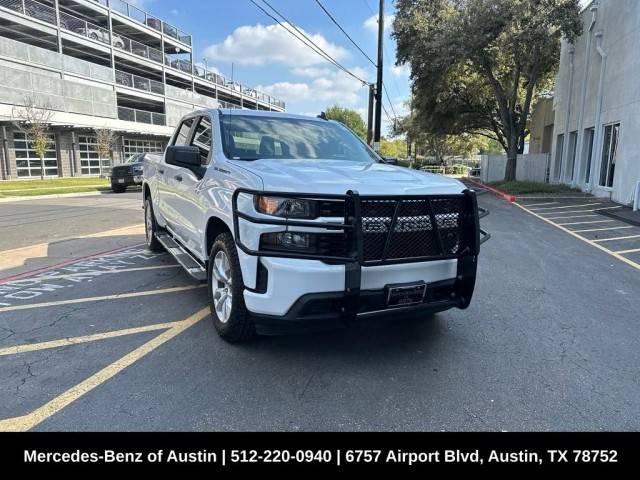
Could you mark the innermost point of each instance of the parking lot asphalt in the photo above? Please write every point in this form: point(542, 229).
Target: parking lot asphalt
point(124, 341)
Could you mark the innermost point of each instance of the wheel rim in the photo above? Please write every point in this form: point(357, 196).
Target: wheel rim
point(148, 224)
point(221, 286)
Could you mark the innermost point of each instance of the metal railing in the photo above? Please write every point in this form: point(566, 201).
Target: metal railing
point(180, 64)
point(31, 8)
point(141, 116)
point(173, 32)
point(139, 83)
point(136, 48)
point(84, 28)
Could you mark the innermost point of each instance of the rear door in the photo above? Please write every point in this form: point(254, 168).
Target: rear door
point(189, 203)
point(167, 184)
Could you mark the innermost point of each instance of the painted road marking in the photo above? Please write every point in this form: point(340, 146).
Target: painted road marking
point(566, 206)
point(624, 252)
point(30, 420)
point(16, 257)
point(541, 204)
point(600, 229)
point(571, 216)
point(97, 273)
point(63, 342)
point(617, 238)
point(586, 240)
point(117, 296)
point(585, 223)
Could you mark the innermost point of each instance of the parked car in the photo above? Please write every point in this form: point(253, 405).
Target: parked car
point(294, 222)
point(128, 174)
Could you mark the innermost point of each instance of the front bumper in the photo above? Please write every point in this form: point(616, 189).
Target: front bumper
point(316, 290)
point(126, 180)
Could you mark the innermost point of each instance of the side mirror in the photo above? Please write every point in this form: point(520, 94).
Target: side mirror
point(185, 156)
point(390, 160)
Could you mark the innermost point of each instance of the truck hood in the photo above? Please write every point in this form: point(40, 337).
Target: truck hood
point(339, 176)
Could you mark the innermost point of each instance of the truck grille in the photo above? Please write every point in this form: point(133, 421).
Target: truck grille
point(413, 234)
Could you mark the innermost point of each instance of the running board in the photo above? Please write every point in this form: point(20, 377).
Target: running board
point(184, 258)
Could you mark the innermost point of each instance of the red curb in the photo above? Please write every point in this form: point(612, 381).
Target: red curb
point(62, 264)
point(508, 197)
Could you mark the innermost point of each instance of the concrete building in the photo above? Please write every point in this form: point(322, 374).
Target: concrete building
point(542, 118)
point(100, 64)
point(597, 103)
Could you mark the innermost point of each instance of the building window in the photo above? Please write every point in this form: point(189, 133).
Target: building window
point(571, 162)
point(589, 136)
point(609, 152)
point(90, 161)
point(559, 151)
point(132, 147)
point(27, 161)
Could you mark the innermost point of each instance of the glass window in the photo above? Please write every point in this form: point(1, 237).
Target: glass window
point(27, 161)
point(247, 137)
point(202, 139)
point(90, 161)
point(609, 153)
point(133, 146)
point(182, 137)
point(573, 143)
point(590, 135)
point(557, 171)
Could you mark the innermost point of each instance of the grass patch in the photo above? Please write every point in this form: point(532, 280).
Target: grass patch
point(524, 188)
point(29, 188)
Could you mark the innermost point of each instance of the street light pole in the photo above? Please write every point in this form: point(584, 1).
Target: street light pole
point(372, 90)
point(378, 96)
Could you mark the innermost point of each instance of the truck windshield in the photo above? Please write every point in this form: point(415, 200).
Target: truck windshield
point(247, 137)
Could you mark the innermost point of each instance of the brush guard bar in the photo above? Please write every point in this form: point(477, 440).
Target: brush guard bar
point(356, 225)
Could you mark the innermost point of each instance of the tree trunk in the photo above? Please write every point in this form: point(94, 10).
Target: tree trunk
point(42, 167)
point(512, 158)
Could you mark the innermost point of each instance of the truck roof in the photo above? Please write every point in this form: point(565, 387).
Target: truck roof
point(254, 113)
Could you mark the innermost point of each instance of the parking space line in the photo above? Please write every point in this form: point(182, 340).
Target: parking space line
point(624, 252)
point(572, 216)
point(63, 342)
point(97, 273)
point(586, 240)
point(585, 223)
point(116, 296)
point(30, 420)
point(616, 238)
point(541, 204)
point(600, 229)
point(565, 206)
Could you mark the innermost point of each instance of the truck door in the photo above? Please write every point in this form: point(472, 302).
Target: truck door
point(167, 184)
point(189, 204)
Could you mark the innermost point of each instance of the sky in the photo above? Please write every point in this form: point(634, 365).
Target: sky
point(266, 57)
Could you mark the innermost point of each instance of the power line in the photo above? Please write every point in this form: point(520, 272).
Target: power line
point(369, 7)
point(384, 86)
point(345, 33)
point(309, 43)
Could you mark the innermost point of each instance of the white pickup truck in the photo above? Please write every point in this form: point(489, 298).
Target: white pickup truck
point(297, 223)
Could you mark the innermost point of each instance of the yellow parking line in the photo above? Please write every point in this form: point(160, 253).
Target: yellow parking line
point(624, 252)
point(541, 204)
point(96, 273)
point(617, 238)
point(600, 229)
point(586, 240)
point(585, 223)
point(30, 420)
point(566, 206)
point(63, 342)
point(116, 296)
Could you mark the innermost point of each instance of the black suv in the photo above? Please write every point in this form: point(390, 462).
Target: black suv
point(127, 174)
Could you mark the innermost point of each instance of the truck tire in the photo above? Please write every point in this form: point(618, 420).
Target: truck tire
point(230, 316)
point(118, 188)
point(151, 228)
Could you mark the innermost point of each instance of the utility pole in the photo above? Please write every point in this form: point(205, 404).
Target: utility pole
point(378, 112)
point(372, 92)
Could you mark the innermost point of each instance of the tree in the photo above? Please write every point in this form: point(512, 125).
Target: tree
point(476, 65)
point(350, 118)
point(395, 148)
point(33, 120)
point(105, 141)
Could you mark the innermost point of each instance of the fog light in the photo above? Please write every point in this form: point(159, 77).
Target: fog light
point(286, 240)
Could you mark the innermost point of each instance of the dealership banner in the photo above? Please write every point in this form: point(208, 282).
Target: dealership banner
point(237, 452)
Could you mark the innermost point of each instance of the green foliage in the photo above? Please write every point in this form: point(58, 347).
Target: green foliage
point(40, 142)
point(350, 118)
point(523, 188)
point(478, 64)
point(396, 148)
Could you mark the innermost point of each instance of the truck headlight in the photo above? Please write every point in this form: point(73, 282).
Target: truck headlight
point(285, 207)
point(285, 241)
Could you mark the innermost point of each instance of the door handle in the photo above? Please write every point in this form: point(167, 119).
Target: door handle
point(178, 178)
point(160, 171)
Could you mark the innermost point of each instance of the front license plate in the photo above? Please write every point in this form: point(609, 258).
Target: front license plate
point(407, 294)
point(121, 180)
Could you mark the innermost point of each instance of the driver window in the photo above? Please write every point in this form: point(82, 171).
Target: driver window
point(183, 134)
point(202, 139)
